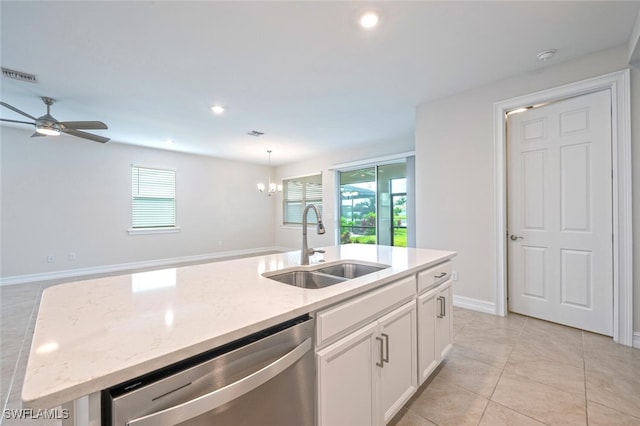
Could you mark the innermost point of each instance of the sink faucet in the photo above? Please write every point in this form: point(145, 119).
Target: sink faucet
point(306, 251)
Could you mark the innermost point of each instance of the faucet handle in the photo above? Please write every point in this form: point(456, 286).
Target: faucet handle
point(313, 251)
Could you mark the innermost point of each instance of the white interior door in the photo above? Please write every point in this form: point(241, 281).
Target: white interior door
point(560, 212)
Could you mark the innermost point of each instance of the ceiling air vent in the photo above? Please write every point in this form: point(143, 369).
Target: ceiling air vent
point(19, 75)
point(255, 133)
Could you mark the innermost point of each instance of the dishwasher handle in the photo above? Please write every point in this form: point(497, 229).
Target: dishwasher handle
point(210, 401)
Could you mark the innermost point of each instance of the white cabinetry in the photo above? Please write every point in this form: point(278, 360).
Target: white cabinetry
point(347, 380)
point(374, 350)
point(444, 323)
point(399, 361)
point(435, 325)
point(427, 358)
point(368, 375)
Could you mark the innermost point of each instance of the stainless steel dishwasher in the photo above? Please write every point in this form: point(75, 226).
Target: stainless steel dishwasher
point(267, 378)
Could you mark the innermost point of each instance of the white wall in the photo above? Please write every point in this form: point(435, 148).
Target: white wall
point(291, 236)
point(64, 194)
point(454, 168)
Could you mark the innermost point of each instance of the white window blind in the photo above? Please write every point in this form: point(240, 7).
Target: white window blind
point(299, 193)
point(154, 198)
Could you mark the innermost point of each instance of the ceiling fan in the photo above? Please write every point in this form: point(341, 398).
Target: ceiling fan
point(49, 126)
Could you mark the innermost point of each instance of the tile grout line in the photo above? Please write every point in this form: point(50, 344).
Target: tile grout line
point(504, 367)
point(501, 374)
point(603, 404)
point(584, 377)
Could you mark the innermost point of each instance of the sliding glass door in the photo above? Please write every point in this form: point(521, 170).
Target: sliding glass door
point(358, 206)
point(373, 205)
point(399, 211)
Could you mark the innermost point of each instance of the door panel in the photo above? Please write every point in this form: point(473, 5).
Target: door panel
point(560, 212)
point(575, 187)
point(534, 272)
point(533, 188)
point(576, 278)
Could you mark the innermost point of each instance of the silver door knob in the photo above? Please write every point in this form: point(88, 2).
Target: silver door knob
point(515, 238)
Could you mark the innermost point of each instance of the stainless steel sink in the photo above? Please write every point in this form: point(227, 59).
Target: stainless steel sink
point(307, 279)
point(351, 270)
point(325, 276)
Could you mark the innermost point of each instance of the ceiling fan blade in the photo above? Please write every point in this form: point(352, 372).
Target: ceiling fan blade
point(37, 135)
point(85, 135)
point(16, 121)
point(83, 125)
point(17, 110)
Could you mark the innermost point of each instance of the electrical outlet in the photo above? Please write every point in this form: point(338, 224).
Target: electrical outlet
point(72, 256)
point(51, 258)
point(454, 275)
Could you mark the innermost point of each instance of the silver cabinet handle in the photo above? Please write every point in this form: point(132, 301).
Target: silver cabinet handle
point(440, 300)
point(381, 363)
point(444, 306)
point(515, 238)
point(386, 346)
point(195, 407)
point(439, 275)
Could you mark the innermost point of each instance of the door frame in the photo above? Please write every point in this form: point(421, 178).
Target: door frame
point(619, 84)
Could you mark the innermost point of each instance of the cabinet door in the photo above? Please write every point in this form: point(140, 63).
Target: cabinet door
point(444, 320)
point(399, 354)
point(348, 380)
point(428, 357)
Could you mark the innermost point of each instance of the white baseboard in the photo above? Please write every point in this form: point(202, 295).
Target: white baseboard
point(636, 339)
point(474, 304)
point(283, 249)
point(95, 270)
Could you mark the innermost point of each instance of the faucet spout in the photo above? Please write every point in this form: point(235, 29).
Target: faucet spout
point(306, 251)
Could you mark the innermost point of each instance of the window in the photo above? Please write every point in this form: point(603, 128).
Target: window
point(299, 193)
point(154, 198)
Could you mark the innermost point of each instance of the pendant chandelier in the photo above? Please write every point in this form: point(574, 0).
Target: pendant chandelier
point(271, 187)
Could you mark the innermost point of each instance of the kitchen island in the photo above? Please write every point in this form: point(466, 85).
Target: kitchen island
point(93, 334)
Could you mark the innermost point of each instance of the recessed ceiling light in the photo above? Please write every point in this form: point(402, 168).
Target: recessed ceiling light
point(369, 20)
point(217, 109)
point(546, 55)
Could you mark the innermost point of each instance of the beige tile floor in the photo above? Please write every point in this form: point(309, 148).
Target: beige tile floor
point(502, 371)
point(523, 371)
point(18, 312)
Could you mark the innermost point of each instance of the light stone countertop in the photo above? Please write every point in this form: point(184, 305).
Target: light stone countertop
point(94, 334)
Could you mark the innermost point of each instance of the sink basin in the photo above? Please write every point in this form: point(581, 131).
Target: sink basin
point(325, 276)
point(351, 270)
point(307, 279)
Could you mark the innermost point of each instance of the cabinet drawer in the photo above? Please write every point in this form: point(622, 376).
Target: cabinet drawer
point(339, 320)
point(434, 276)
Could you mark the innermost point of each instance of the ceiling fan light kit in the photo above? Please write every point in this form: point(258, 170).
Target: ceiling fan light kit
point(47, 130)
point(47, 125)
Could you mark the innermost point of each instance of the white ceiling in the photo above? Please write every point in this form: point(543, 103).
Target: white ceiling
point(302, 72)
